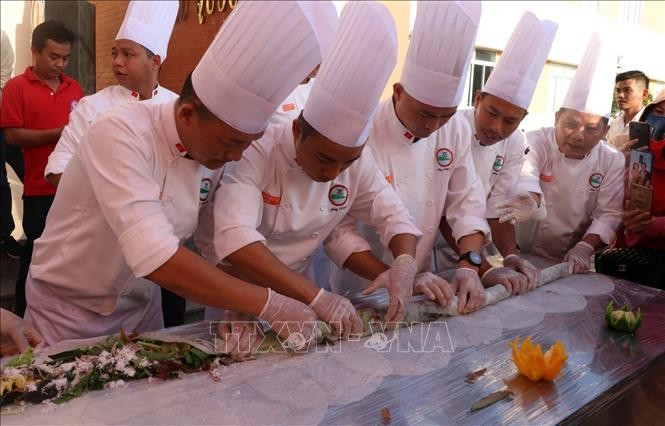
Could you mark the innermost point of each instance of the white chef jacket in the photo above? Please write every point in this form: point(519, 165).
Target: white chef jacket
point(433, 176)
point(618, 127)
point(582, 196)
point(128, 200)
point(293, 105)
point(498, 166)
point(277, 203)
point(87, 111)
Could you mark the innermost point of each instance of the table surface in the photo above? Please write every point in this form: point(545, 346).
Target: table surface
point(419, 376)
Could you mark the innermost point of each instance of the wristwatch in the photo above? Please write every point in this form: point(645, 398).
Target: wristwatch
point(473, 257)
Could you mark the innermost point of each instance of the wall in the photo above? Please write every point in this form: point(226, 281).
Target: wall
point(18, 18)
point(188, 41)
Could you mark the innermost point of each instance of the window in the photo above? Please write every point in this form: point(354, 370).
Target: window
point(482, 64)
point(630, 11)
point(559, 81)
point(592, 6)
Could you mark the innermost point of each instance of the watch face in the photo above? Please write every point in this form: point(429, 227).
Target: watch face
point(475, 258)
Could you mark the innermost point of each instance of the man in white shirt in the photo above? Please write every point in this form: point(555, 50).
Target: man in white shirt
point(498, 148)
point(300, 180)
point(144, 180)
point(632, 89)
point(422, 149)
point(138, 53)
point(581, 177)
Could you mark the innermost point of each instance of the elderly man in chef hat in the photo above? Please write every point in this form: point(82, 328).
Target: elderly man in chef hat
point(499, 149)
point(300, 180)
point(138, 52)
point(580, 176)
point(422, 149)
point(144, 180)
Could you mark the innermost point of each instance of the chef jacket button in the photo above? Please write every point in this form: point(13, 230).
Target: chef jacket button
point(166, 201)
point(278, 236)
point(316, 234)
point(429, 175)
point(430, 229)
point(401, 181)
point(429, 202)
point(304, 259)
point(286, 206)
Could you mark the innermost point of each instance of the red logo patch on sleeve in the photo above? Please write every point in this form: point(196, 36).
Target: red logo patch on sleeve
point(289, 107)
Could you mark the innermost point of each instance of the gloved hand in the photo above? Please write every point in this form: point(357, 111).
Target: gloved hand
point(579, 258)
point(470, 292)
point(512, 280)
point(338, 312)
point(434, 288)
point(241, 333)
point(292, 320)
point(522, 265)
point(399, 280)
point(520, 209)
point(15, 335)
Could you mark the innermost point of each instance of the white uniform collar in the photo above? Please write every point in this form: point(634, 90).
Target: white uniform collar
point(405, 135)
point(167, 121)
point(137, 95)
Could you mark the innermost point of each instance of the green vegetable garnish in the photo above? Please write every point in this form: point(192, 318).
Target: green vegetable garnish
point(623, 319)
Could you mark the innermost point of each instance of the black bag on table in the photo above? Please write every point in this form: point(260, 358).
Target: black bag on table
point(643, 266)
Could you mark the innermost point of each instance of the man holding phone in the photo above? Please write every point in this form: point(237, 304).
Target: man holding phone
point(632, 89)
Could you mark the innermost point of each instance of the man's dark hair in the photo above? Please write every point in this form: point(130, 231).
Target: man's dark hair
point(636, 75)
point(307, 129)
point(51, 30)
point(188, 95)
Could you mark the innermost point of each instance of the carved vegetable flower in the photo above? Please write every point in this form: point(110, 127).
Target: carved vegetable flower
point(623, 319)
point(531, 362)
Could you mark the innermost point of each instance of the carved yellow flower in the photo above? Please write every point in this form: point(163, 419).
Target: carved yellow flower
point(531, 362)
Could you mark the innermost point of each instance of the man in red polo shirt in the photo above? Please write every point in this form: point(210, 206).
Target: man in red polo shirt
point(35, 108)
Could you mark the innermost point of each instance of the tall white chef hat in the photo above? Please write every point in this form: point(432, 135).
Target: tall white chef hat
point(150, 24)
point(349, 84)
point(441, 46)
point(261, 53)
point(516, 74)
point(593, 85)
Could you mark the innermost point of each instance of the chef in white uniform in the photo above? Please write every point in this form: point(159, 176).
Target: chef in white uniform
point(138, 52)
point(422, 149)
point(299, 181)
point(143, 180)
point(498, 148)
point(581, 177)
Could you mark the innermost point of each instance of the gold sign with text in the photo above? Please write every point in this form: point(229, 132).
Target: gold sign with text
point(208, 7)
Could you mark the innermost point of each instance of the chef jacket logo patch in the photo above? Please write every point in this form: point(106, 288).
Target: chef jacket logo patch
point(204, 194)
point(338, 195)
point(595, 180)
point(444, 157)
point(498, 163)
point(73, 105)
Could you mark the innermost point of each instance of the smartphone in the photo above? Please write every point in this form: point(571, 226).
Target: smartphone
point(641, 168)
point(641, 131)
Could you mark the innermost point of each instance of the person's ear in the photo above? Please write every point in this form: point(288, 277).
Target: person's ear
point(296, 127)
point(185, 113)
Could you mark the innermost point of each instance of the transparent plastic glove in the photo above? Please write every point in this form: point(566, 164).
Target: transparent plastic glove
point(290, 319)
point(470, 292)
point(434, 288)
point(15, 335)
point(242, 333)
point(579, 258)
point(338, 312)
point(522, 265)
point(513, 281)
point(520, 209)
point(399, 281)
